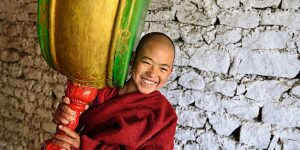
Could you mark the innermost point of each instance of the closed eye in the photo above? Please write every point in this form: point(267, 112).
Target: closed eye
point(163, 69)
point(145, 62)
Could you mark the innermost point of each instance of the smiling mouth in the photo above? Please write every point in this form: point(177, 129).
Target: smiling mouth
point(148, 81)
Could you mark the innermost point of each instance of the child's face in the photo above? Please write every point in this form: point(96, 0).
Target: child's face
point(152, 67)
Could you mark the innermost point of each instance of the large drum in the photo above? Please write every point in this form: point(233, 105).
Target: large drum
point(89, 41)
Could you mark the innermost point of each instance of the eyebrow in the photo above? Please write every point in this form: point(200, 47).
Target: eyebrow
point(145, 57)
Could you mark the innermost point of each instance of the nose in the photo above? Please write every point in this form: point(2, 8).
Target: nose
point(151, 72)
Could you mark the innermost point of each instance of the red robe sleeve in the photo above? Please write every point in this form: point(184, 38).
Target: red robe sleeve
point(133, 121)
point(105, 94)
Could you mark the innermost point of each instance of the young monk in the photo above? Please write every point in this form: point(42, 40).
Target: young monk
point(136, 116)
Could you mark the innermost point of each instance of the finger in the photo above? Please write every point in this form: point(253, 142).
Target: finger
point(66, 109)
point(62, 120)
point(66, 100)
point(62, 117)
point(86, 107)
point(62, 144)
point(68, 131)
point(66, 116)
point(64, 138)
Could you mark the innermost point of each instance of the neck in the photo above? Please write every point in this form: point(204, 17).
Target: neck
point(129, 87)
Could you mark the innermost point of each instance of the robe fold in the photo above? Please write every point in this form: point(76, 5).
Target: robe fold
point(131, 121)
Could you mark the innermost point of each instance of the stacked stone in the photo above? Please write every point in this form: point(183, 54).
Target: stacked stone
point(29, 89)
point(236, 77)
point(235, 83)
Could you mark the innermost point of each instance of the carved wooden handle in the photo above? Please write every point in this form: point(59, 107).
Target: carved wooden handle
point(79, 96)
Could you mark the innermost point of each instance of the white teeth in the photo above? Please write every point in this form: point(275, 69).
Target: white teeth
point(148, 82)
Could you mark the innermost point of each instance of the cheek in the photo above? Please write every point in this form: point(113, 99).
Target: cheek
point(164, 78)
point(136, 71)
point(140, 69)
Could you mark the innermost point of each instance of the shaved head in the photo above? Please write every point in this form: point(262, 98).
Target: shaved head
point(156, 38)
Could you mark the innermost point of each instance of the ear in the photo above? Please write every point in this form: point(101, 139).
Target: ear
point(170, 73)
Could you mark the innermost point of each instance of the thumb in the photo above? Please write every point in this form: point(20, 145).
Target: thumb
point(86, 107)
point(66, 100)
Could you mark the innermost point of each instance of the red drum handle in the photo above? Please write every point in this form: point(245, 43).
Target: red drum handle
point(79, 97)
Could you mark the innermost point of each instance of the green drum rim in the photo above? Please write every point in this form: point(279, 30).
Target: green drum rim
point(43, 31)
point(133, 22)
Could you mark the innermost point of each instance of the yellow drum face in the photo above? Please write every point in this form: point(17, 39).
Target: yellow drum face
point(82, 36)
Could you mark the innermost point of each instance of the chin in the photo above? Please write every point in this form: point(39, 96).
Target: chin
point(146, 91)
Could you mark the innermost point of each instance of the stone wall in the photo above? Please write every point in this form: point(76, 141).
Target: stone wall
point(29, 89)
point(235, 83)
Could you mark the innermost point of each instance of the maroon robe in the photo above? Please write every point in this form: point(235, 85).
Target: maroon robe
point(131, 121)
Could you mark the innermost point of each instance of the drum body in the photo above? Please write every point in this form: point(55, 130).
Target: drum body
point(90, 41)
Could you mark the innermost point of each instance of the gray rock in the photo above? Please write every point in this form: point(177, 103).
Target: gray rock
point(209, 102)
point(162, 15)
point(181, 58)
point(298, 44)
point(177, 147)
point(257, 135)
point(185, 135)
point(15, 70)
point(191, 147)
point(242, 146)
point(227, 143)
point(160, 4)
point(229, 37)
point(58, 91)
point(48, 126)
point(240, 108)
point(9, 56)
point(239, 18)
point(224, 87)
point(190, 33)
point(291, 145)
point(240, 89)
point(296, 90)
point(208, 141)
point(210, 7)
point(290, 4)
point(228, 3)
point(29, 108)
point(188, 12)
point(261, 4)
point(172, 95)
point(211, 61)
point(266, 40)
point(209, 36)
point(195, 119)
point(291, 134)
point(224, 125)
point(31, 73)
point(189, 97)
point(266, 90)
point(291, 101)
point(172, 85)
point(265, 63)
point(169, 28)
point(274, 144)
point(282, 18)
point(286, 116)
point(192, 80)
point(189, 49)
